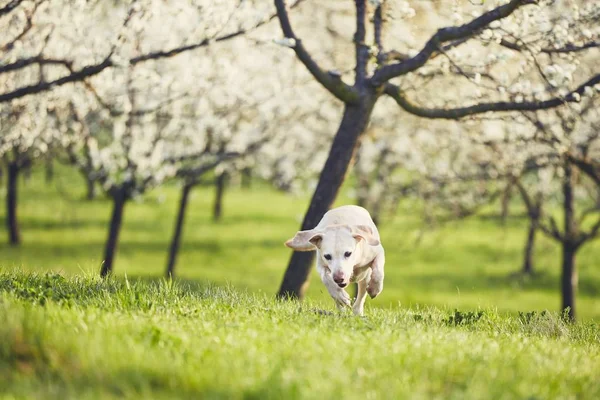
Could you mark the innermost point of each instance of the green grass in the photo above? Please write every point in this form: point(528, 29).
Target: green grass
point(83, 338)
point(453, 321)
point(467, 264)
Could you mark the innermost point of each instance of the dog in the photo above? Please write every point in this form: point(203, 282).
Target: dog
point(348, 249)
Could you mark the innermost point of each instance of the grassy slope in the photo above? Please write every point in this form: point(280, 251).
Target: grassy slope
point(82, 338)
point(465, 265)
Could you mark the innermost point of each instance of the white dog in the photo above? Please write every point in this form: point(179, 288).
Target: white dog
point(348, 250)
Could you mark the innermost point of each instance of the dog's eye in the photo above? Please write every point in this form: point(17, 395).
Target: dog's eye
point(327, 257)
point(347, 254)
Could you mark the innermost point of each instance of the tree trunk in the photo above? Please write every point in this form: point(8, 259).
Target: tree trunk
point(505, 203)
point(119, 199)
point(353, 125)
point(90, 188)
point(569, 248)
point(246, 178)
point(49, 175)
point(12, 224)
point(529, 246)
point(220, 183)
point(176, 240)
point(569, 279)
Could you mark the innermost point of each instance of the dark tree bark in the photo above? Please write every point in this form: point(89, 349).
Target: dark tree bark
point(12, 223)
point(176, 240)
point(529, 246)
point(90, 188)
point(569, 280)
point(569, 245)
point(119, 199)
point(220, 183)
point(353, 125)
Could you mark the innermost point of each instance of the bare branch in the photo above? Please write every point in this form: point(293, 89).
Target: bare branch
point(589, 235)
point(569, 48)
point(589, 167)
point(37, 60)
point(378, 33)
point(531, 210)
point(331, 82)
point(195, 172)
point(443, 35)
point(75, 76)
point(361, 48)
point(480, 108)
point(587, 212)
point(12, 4)
point(551, 231)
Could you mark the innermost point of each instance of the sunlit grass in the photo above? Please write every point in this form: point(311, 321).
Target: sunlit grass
point(467, 264)
point(84, 338)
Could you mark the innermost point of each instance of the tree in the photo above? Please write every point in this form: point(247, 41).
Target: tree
point(28, 130)
point(134, 159)
point(373, 70)
point(231, 143)
point(573, 133)
point(96, 43)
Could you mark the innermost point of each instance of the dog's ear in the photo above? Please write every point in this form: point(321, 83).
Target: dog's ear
point(364, 232)
point(305, 240)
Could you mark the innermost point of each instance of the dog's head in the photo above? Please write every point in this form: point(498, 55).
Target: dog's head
point(338, 247)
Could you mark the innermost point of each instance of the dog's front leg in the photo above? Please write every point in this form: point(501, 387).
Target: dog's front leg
point(361, 295)
point(375, 285)
point(339, 295)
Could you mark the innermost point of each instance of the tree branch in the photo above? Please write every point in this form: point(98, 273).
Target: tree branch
point(195, 172)
point(37, 60)
point(589, 235)
point(526, 198)
point(12, 4)
point(91, 70)
point(443, 35)
point(456, 113)
point(331, 82)
point(378, 33)
point(569, 48)
point(361, 48)
point(589, 167)
point(551, 231)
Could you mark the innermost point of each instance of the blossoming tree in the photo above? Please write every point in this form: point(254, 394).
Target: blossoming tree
point(379, 71)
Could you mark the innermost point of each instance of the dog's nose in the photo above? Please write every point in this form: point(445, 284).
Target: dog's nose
point(340, 281)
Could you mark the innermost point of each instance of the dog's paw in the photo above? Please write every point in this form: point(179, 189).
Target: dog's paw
point(374, 288)
point(358, 311)
point(341, 298)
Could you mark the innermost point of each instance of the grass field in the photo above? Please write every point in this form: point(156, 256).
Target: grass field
point(83, 338)
point(467, 264)
point(217, 331)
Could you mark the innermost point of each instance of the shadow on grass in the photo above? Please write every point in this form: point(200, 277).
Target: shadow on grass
point(540, 281)
point(499, 217)
point(131, 247)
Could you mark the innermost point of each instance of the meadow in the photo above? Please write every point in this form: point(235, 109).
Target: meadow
point(465, 264)
point(453, 321)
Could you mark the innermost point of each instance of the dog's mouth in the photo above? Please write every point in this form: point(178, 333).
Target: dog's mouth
point(342, 284)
